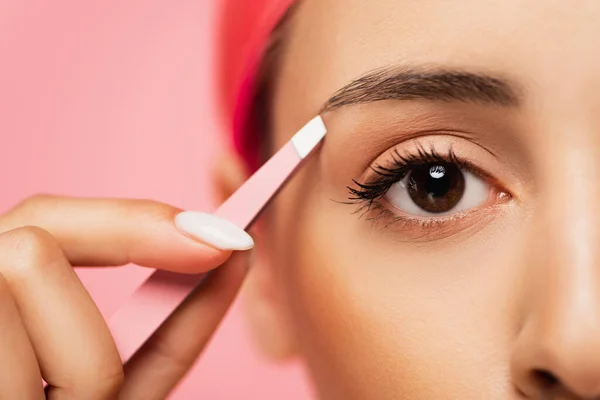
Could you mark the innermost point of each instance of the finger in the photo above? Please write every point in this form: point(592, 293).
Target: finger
point(171, 351)
point(106, 232)
point(19, 372)
point(73, 346)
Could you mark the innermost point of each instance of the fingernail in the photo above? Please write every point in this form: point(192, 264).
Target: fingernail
point(213, 230)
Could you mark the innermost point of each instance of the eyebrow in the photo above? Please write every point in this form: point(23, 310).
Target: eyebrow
point(426, 84)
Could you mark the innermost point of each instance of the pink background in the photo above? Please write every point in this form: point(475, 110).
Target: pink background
point(113, 98)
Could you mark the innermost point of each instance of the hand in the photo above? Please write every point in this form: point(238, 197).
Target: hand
point(52, 329)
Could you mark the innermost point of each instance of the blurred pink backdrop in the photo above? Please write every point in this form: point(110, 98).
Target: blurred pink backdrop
point(113, 98)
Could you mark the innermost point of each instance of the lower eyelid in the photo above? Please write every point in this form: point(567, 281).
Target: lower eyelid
point(389, 218)
point(417, 229)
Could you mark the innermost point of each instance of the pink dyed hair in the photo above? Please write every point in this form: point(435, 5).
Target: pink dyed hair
point(243, 37)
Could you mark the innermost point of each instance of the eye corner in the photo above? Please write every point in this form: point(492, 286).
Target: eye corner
point(504, 196)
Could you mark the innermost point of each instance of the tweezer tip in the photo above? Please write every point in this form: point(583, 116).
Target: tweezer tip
point(307, 138)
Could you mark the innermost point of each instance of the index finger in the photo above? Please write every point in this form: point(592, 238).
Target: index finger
point(113, 232)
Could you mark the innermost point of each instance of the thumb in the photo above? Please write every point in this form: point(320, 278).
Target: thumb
point(167, 356)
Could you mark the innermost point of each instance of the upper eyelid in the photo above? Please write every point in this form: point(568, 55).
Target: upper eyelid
point(436, 156)
point(418, 143)
point(418, 136)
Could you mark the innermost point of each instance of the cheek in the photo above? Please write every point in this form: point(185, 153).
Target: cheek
point(379, 318)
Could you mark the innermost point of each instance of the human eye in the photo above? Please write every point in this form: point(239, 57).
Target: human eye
point(425, 187)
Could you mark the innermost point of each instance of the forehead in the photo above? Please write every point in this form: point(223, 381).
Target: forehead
point(332, 42)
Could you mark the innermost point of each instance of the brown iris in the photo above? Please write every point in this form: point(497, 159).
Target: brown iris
point(436, 187)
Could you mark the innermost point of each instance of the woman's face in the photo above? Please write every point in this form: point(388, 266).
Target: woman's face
point(443, 243)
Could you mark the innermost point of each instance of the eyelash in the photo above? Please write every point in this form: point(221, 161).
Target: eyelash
point(368, 195)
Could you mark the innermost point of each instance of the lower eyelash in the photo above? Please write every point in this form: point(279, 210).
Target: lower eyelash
point(376, 212)
point(421, 229)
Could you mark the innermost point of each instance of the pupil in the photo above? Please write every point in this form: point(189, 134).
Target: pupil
point(436, 188)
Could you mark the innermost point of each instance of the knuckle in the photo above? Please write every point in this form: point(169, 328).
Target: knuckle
point(32, 204)
point(30, 248)
point(96, 383)
point(140, 211)
point(165, 353)
point(28, 211)
point(111, 383)
point(102, 373)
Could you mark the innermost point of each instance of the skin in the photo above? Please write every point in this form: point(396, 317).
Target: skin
point(503, 303)
point(51, 328)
